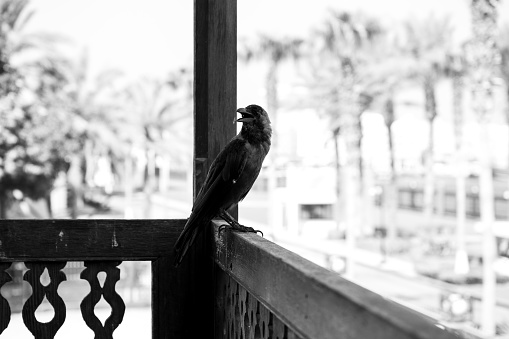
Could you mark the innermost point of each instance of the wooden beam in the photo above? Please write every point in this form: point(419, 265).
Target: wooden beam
point(78, 240)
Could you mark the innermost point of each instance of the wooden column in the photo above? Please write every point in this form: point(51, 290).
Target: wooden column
point(215, 82)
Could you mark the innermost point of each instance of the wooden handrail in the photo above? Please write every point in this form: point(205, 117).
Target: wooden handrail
point(78, 240)
point(310, 300)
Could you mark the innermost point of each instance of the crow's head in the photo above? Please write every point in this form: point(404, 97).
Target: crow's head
point(253, 114)
point(255, 121)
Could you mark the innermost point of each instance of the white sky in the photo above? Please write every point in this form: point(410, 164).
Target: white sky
point(155, 36)
point(139, 37)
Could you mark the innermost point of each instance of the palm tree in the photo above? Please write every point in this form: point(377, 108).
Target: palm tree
point(343, 91)
point(484, 59)
point(11, 18)
point(94, 109)
point(503, 43)
point(428, 43)
point(157, 107)
point(14, 43)
point(456, 69)
point(275, 51)
point(389, 75)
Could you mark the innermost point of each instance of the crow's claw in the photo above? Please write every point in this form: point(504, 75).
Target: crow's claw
point(222, 228)
point(242, 228)
point(238, 227)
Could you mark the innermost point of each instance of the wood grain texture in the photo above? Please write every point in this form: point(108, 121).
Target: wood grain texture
point(39, 292)
point(215, 95)
point(313, 302)
point(182, 298)
point(79, 240)
point(5, 310)
point(215, 81)
point(240, 315)
point(165, 310)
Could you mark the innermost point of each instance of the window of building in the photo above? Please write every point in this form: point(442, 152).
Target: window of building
point(322, 211)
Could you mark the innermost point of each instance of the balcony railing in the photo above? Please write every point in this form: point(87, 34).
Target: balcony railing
point(235, 286)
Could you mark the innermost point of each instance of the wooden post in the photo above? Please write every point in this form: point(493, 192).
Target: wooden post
point(215, 81)
point(215, 96)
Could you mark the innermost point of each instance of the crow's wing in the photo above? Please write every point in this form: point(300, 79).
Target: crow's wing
point(227, 167)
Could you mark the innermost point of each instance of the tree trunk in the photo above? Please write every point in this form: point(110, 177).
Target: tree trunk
point(351, 175)
point(351, 200)
point(461, 264)
point(507, 120)
point(272, 97)
point(429, 177)
point(150, 182)
point(271, 172)
point(128, 186)
point(90, 162)
point(75, 181)
point(47, 200)
point(486, 200)
point(337, 168)
point(485, 58)
point(164, 174)
point(365, 181)
point(359, 147)
point(391, 194)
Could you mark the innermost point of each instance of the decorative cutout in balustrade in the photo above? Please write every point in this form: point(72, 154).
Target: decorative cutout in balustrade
point(246, 317)
point(49, 290)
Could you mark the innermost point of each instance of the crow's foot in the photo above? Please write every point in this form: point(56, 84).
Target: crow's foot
point(239, 228)
point(234, 224)
point(222, 228)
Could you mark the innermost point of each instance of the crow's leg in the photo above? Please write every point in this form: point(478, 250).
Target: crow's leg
point(234, 224)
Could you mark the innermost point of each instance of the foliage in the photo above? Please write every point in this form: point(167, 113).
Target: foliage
point(34, 145)
point(504, 60)
point(428, 42)
point(343, 50)
point(159, 112)
point(274, 50)
point(35, 137)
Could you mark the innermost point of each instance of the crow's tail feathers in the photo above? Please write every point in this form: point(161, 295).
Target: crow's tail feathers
point(186, 238)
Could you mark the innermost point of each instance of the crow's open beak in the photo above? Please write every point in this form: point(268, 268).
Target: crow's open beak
point(246, 116)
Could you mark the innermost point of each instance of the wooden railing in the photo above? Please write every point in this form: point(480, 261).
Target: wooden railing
point(177, 295)
point(235, 286)
point(265, 291)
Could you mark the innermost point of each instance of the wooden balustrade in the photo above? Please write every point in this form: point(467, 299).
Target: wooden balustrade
point(47, 245)
point(235, 286)
point(265, 291)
